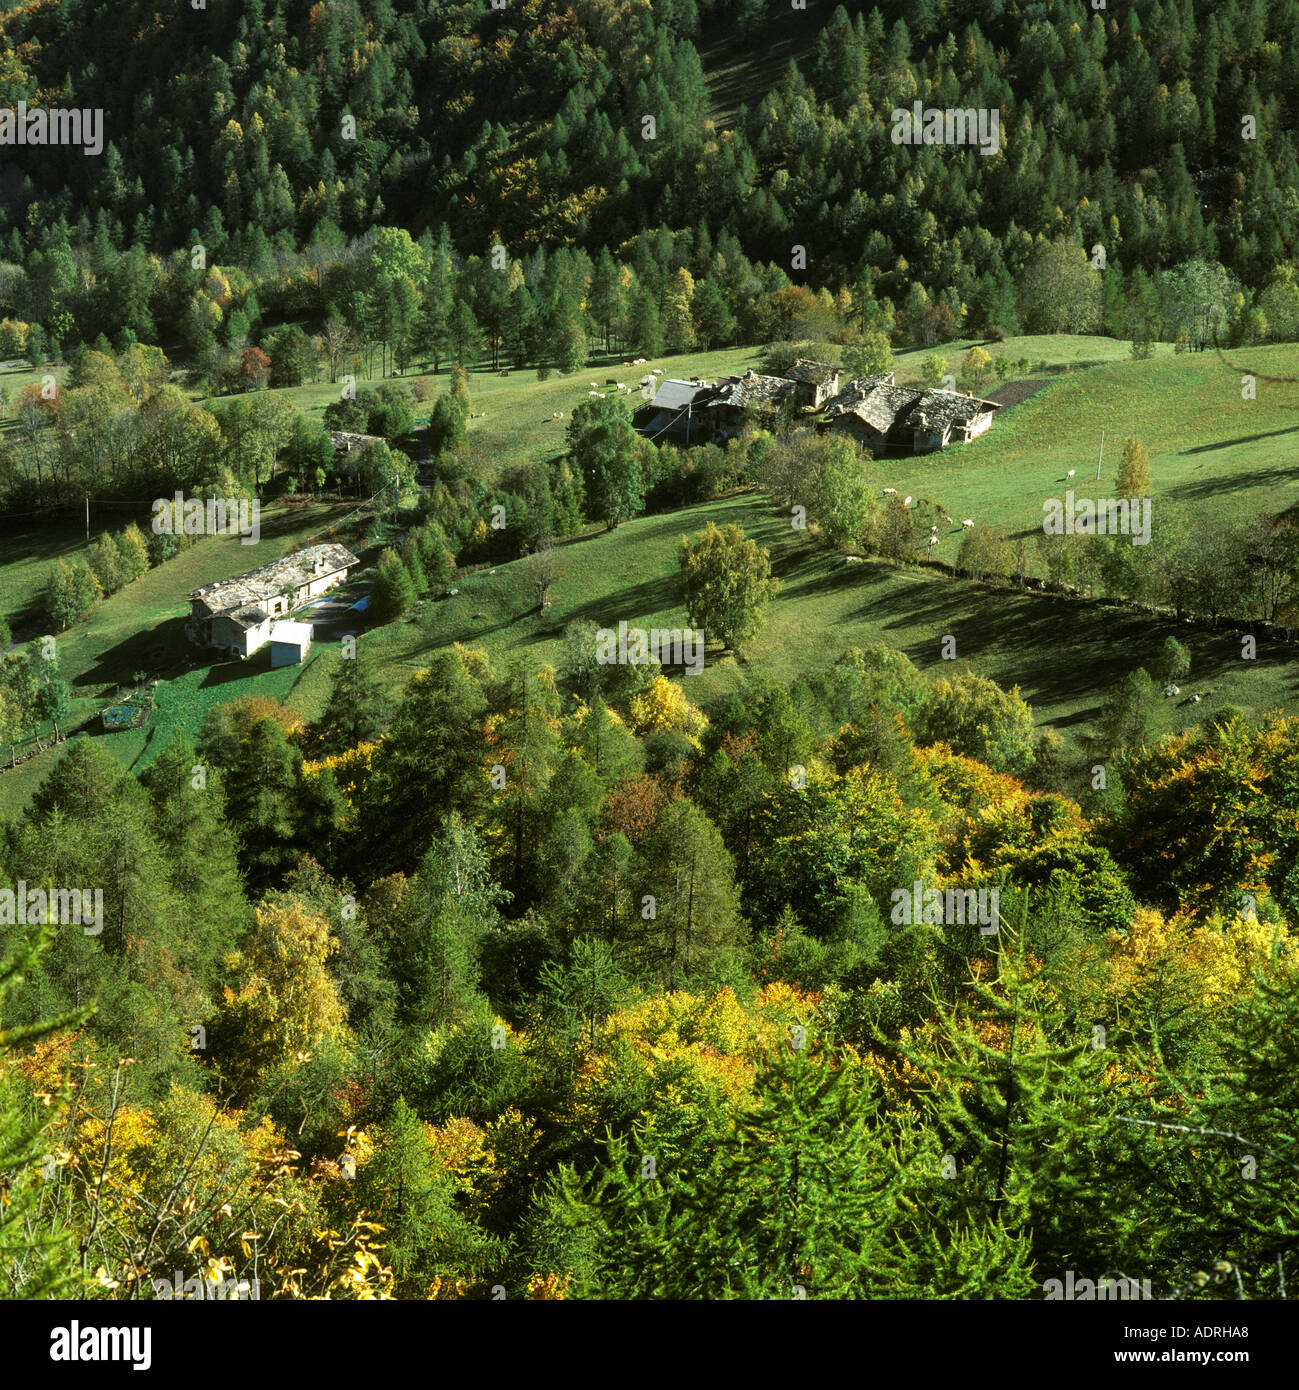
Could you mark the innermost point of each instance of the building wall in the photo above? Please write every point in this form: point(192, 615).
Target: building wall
point(856, 428)
point(927, 441)
point(320, 585)
point(287, 653)
point(245, 641)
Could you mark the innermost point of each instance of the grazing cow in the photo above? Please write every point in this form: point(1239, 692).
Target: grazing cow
point(967, 522)
point(890, 492)
point(1071, 472)
point(611, 381)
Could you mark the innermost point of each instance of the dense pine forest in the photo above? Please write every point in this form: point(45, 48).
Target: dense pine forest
point(481, 969)
point(251, 150)
point(523, 978)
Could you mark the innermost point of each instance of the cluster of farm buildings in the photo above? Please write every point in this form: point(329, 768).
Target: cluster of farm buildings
point(870, 409)
point(244, 614)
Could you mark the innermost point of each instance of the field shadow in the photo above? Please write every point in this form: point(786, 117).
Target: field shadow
point(1240, 439)
point(805, 575)
point(1216, 483)
point(1035, 643)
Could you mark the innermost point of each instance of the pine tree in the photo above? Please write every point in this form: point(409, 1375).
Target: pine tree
point(357, 711)
point(38, 1250)
point(202, 857)
point(427, 1235)
point(394, 592)
point(802, 1193)
point(1015, 1088)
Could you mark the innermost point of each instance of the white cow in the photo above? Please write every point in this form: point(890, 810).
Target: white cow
point(890, 492)
point(967, 522)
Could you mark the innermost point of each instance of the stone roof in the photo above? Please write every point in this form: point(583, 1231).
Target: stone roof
point(884, 406)
point(346, 441)
point(249, 615)
point(246, 592)
point(943, 409)
point(752, 389)
point(873, 399)
point(805, 369)
point(857, 391)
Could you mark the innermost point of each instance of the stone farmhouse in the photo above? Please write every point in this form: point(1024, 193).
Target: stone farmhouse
point(880, 415)
point(347, 449)
point(700, 412)
point(814, 382)
point(236, 615)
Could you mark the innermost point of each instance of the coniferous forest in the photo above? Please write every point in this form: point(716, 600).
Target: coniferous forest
point(939, 945)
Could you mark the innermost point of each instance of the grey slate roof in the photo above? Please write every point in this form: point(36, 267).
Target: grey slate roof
point(943, 409)
point(247, 591)
point(886, 407)
point(856, 392)
point(752, 389)
point(346, 441)
point(805, 369)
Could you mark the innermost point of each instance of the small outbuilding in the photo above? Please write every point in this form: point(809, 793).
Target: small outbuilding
point(289, 643)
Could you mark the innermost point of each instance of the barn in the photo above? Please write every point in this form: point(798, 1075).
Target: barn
point(880, 415)
point(236, 615)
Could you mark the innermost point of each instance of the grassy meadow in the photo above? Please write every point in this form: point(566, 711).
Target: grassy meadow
point(1213, 454)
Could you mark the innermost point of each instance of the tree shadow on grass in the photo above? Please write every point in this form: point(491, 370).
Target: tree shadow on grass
point(1240, 439)
point(1218, 483)
point(802, 576)
point(1057, 651)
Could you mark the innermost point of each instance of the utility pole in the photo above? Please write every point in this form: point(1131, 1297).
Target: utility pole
point(87, 520)
point(1100, 456)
